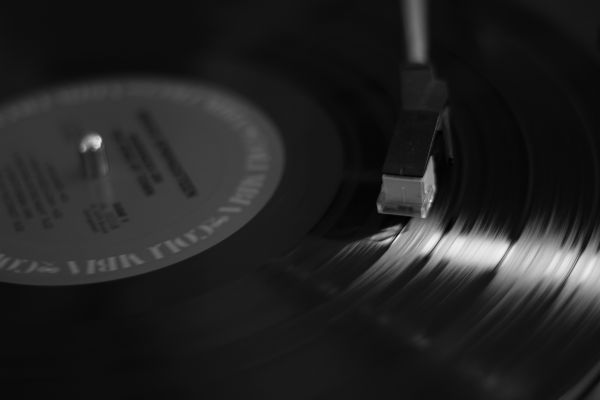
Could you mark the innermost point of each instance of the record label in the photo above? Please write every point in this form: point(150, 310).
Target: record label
point(188, 165)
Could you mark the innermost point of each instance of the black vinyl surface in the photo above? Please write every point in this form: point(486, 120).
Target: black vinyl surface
point(496, 295)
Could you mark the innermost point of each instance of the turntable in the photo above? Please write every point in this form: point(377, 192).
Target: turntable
point(265, 200)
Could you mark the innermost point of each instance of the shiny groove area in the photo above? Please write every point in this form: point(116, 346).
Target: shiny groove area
point(501, 285)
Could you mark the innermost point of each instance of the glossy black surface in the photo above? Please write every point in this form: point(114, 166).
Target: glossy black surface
point(494, 296)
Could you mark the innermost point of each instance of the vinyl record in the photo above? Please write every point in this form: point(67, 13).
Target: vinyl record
point(233, 248)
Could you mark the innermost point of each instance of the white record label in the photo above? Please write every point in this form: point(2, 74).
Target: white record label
point(189, 165)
